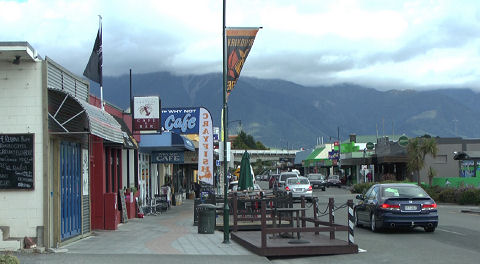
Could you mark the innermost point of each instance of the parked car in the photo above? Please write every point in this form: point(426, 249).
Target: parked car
point(283, 177)
point(273, 180)
point(334, 180)
point(396, 205)
point(298, 187)
point(317, 180)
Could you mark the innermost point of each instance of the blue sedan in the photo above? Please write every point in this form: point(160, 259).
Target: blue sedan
point(396, 205)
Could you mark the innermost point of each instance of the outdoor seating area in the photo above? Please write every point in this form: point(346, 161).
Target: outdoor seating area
point(301, 237)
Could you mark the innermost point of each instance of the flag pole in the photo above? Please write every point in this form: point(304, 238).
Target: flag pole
point(101, 66)
point(226, 209)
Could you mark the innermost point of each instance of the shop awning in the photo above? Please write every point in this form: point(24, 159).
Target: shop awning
point(167, 141)
point(312, 158)
point(70, 115)
point(128, 141)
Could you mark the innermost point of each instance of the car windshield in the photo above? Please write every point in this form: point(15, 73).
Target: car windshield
point(403, 192)
point(316, 177)
point(292, 181)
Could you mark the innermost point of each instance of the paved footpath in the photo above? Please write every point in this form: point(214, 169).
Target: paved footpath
point(169, 236)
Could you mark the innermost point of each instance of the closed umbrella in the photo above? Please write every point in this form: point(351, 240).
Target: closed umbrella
point(245, 181)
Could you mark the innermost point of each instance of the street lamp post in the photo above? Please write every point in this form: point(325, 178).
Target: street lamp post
point(226, 209)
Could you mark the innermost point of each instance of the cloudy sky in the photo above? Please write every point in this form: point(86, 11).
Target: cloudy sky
point(383, 44)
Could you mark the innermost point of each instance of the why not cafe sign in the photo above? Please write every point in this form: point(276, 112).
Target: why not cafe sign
point(194, 120)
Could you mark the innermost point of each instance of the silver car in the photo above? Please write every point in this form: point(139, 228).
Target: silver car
point(299, 186)
point(282, 179)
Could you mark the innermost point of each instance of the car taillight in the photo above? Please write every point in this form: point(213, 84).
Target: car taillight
point(310, 187)
point(286, 188)
point(390, 206)
point(429, 206)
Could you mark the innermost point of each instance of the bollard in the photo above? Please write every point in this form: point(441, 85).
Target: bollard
point(351, 224)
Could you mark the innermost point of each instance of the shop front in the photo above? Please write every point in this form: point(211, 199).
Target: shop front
point(167, 163)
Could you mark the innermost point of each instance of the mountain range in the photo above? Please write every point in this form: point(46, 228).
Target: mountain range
point(283, 114)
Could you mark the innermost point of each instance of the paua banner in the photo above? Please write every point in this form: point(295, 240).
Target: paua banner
point(239, 44)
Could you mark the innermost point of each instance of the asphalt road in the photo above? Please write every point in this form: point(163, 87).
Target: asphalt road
point(456, 239)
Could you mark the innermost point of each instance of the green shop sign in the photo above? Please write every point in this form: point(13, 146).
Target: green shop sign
point(370, 145)
point(403, 141)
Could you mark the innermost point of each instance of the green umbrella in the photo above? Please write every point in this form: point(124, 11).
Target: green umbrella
point(246, 180)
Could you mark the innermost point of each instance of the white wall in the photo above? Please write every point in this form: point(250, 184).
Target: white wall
point(21, 112)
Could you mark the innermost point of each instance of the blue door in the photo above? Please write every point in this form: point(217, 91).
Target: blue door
point(70, 180)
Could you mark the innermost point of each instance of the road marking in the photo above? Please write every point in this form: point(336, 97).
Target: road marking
point(362, 250)
point(453, 232)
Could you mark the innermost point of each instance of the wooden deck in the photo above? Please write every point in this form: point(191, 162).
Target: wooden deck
point(277, 246)
point(297, 238)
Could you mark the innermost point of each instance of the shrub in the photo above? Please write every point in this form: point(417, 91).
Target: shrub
point(469, 196)
point(361, 187)
point(9, 259)
point(447, 195)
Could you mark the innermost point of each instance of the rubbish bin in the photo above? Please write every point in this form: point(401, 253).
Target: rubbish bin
point(206, 218)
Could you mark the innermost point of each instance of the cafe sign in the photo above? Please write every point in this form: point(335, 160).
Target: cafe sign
point(168, 157)
point(146, 113)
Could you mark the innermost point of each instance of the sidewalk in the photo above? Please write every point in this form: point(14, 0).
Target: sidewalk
point(171, 232)
point(167, 236)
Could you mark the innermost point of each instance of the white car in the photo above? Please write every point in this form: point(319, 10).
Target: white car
point(298, 187)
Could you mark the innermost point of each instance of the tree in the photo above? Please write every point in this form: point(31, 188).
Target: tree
point(431, 174)
point(244, 141)
point(417, 149)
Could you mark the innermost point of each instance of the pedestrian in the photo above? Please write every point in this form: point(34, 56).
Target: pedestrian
point(197, 189)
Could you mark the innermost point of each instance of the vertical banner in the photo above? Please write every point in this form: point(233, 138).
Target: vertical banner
point(85, 174)
point(239, 43)
point(205, 147)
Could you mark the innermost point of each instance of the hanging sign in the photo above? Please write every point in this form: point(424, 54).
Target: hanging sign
point(146, 113)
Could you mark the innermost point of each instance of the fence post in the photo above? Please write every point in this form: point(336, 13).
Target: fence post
point(331, 218)
point(315, 213)
point(235, 212)
point(264, 236)
point(304, 223)
point(351, 224)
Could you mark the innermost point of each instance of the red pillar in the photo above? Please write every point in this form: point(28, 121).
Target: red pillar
point(97, 182)
point(115, 169)
point(109, 164)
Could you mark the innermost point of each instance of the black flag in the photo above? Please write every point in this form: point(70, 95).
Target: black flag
point(93, 71)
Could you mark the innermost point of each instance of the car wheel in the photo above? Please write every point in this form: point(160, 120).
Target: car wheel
point(373, 224)
point(429, 229)
point(357, 224)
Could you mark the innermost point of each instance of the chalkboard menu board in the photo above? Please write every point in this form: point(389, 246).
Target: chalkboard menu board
point(16, 161)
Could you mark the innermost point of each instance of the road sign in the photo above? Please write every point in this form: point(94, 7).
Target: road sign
point(403, 141)
point(370, 145)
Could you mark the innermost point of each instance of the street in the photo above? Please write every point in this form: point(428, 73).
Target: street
point(171, 237)
point(454, 241)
